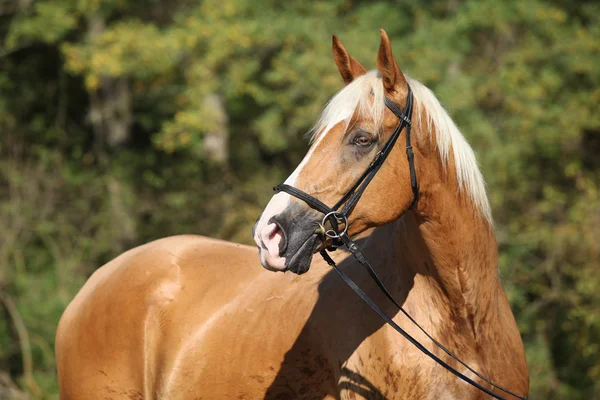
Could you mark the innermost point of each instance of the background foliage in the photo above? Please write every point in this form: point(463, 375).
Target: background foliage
point(126, 121)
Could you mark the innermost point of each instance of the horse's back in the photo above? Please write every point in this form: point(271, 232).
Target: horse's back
point(107, 342)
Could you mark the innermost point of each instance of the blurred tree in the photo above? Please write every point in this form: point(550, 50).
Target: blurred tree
point(126, 121)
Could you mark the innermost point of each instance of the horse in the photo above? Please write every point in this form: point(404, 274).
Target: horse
point(189, 317)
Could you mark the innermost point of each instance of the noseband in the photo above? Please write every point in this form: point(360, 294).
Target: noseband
point(339, 236)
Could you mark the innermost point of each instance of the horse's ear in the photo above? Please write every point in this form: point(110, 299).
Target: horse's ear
point(349, 68)
point(390, 72)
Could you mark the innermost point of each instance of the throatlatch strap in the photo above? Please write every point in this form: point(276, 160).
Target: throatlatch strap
point(361, 185)
point(409, 150)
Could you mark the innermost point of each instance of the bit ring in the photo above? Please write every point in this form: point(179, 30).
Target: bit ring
point(340, 218)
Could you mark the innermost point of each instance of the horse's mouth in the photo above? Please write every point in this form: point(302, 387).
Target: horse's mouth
point(300, 262)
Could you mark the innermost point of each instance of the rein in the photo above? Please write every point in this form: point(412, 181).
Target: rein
point(341, 238)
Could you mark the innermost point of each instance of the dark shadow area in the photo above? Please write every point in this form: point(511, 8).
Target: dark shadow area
point(339, 323)
point(358, 384)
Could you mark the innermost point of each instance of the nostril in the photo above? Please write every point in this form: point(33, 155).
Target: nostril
point(278, 231)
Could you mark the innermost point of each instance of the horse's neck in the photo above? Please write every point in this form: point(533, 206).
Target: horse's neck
point(453, 256)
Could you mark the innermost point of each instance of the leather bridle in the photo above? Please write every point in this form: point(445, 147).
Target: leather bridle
point(340, 237)
point(353, 195)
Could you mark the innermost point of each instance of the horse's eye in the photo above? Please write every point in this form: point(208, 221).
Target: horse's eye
point(363, 140)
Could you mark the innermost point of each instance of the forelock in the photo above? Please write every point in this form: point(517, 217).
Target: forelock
point(364, 94)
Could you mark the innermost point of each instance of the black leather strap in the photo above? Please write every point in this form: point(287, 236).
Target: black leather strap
point(308, 199)
point(355, 193)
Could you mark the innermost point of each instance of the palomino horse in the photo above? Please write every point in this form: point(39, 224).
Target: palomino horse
point(195, 318)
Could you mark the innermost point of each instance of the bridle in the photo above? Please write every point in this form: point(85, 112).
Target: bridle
point(354, 194)
point(340, 237)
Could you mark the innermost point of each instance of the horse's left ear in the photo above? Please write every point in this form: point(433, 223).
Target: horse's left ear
point(349, 68)
point(390, 72)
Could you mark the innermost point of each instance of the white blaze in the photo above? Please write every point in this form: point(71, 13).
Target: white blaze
point(341, 108)
point(265, 233)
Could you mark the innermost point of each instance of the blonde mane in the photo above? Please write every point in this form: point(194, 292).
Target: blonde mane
point(366, 95)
